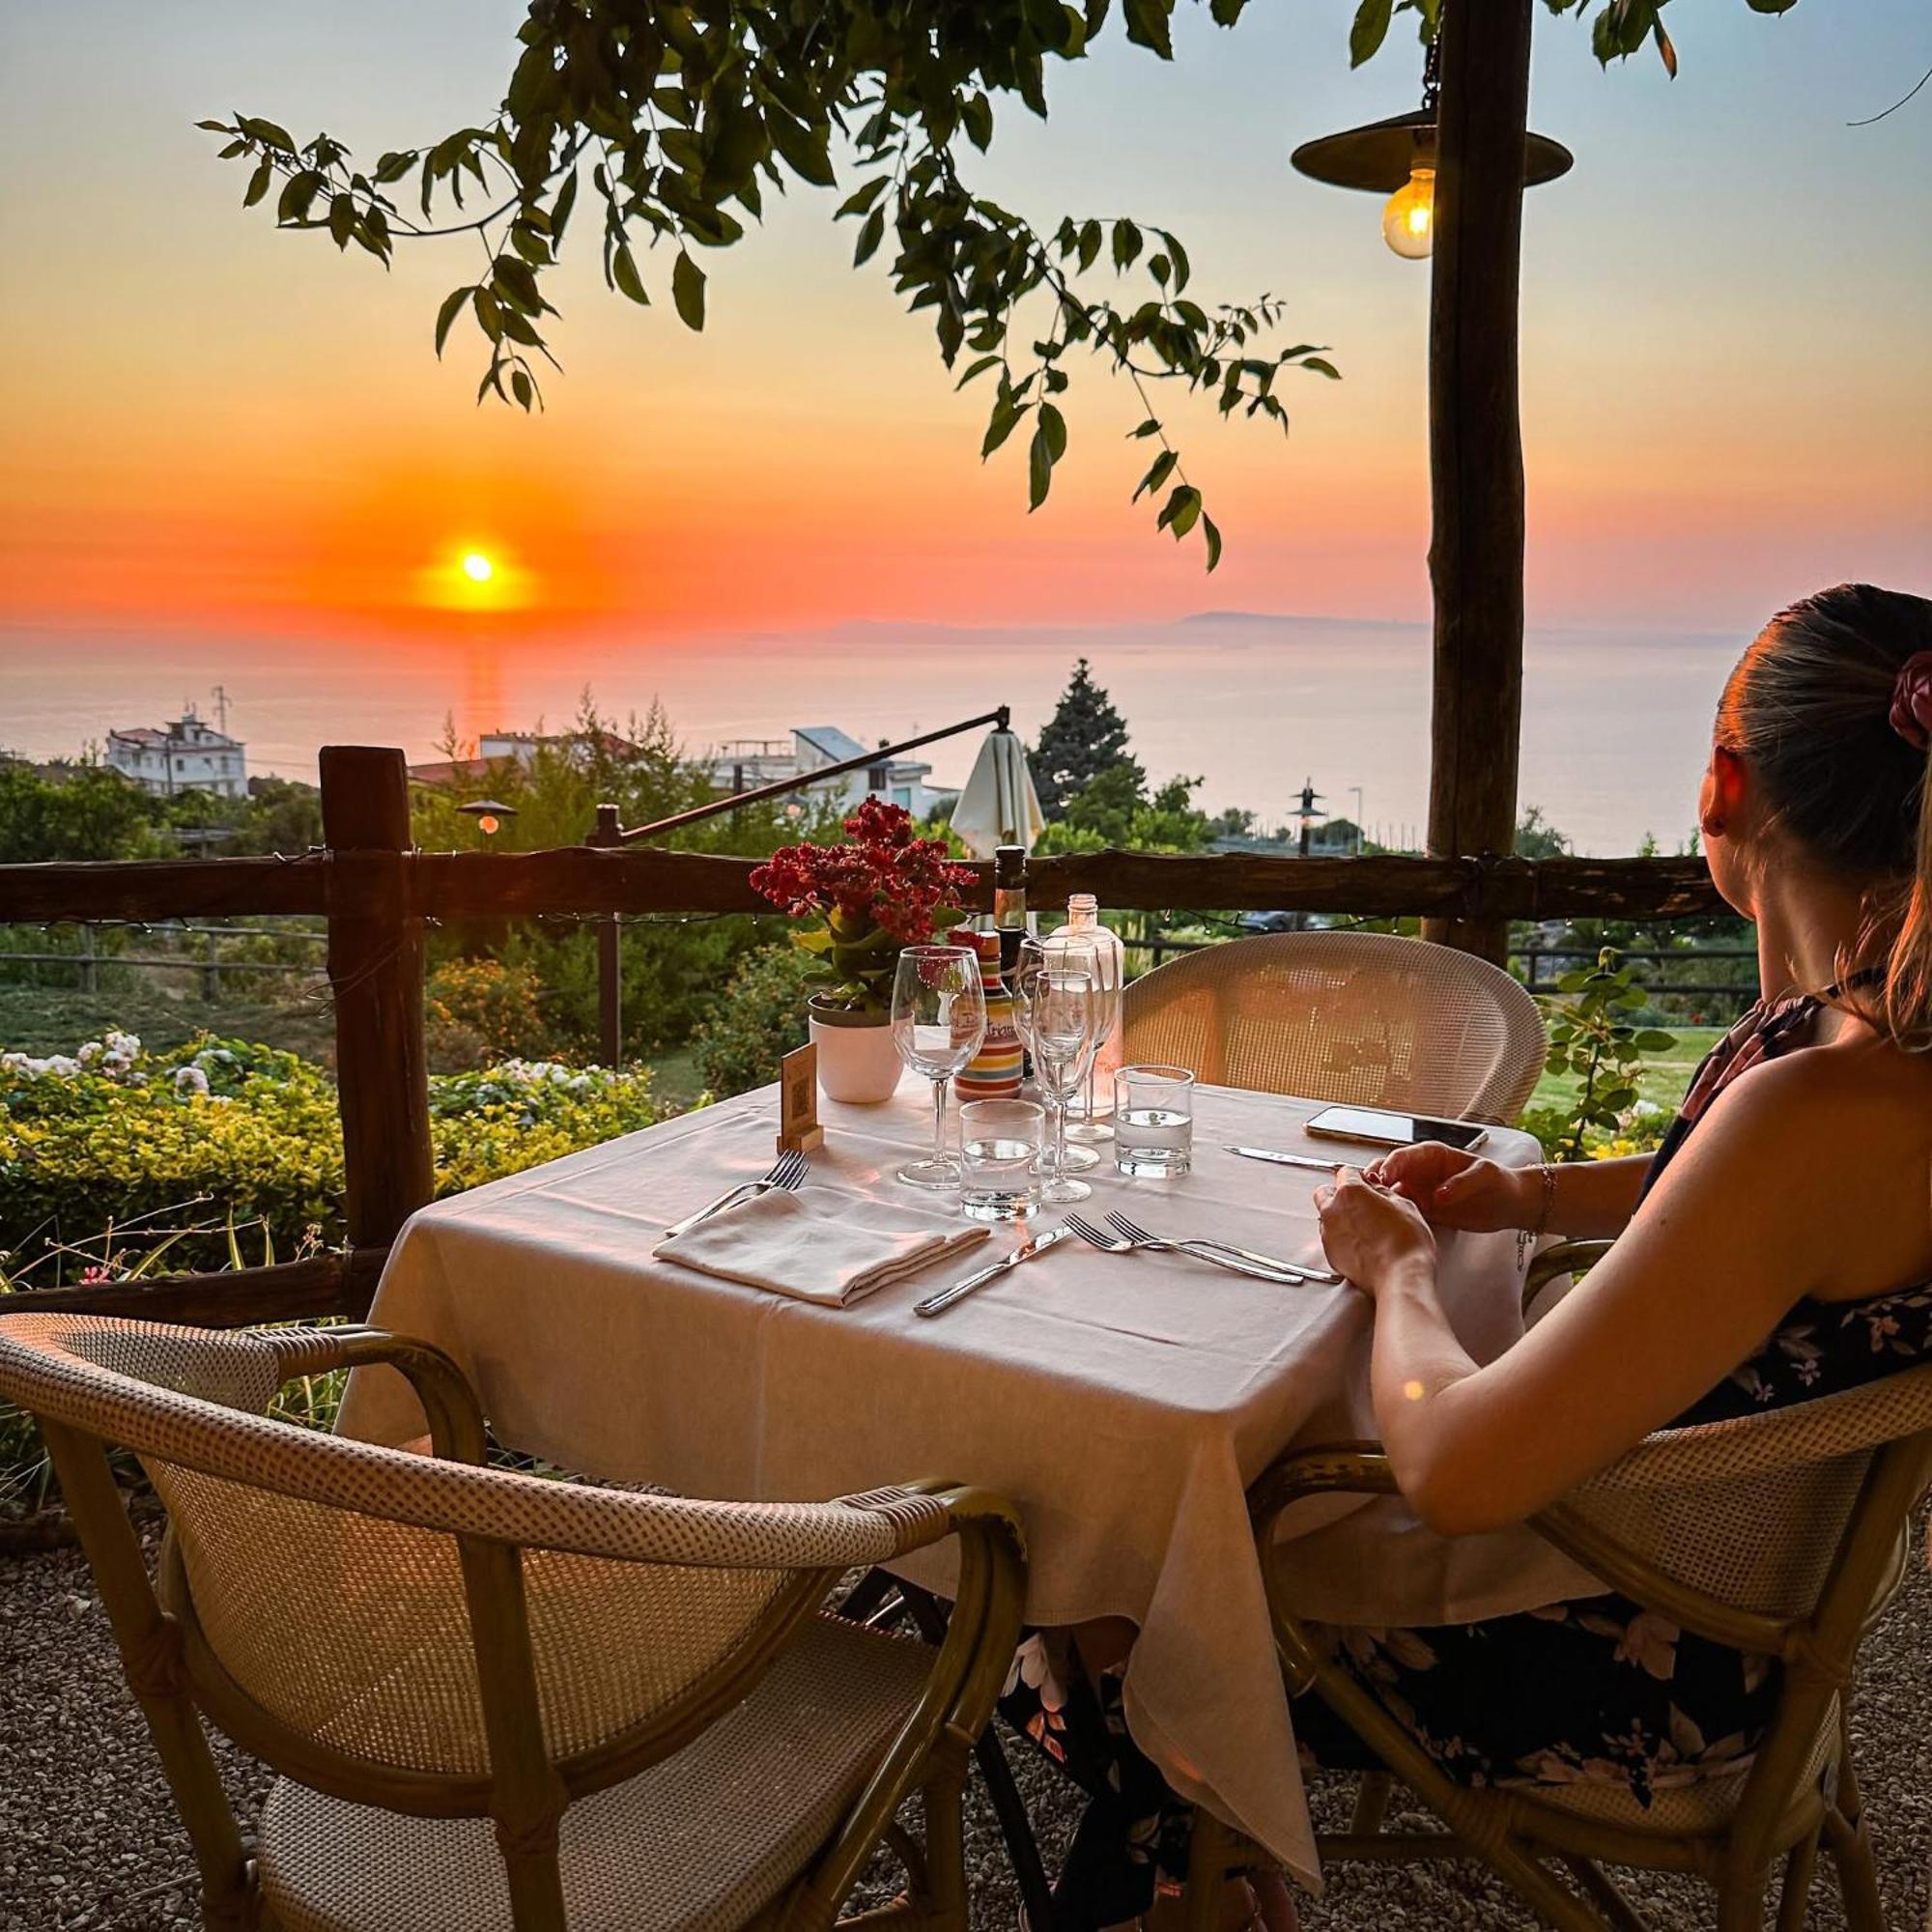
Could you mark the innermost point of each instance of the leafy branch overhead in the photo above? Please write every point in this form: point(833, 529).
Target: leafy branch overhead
point(683, 114)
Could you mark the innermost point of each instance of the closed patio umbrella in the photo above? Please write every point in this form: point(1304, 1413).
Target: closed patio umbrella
point(999, 806)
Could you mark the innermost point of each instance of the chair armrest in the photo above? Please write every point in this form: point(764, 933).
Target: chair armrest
point(455, 1416)
point(1340, 1468)
point(1565, 1258)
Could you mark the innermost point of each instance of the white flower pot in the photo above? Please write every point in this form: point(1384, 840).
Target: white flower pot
point(857, 1060)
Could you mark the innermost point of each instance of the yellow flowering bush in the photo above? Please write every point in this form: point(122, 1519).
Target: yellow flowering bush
point(218, 1133)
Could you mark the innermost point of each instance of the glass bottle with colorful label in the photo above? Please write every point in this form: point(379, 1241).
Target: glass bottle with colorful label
point(994, 1071)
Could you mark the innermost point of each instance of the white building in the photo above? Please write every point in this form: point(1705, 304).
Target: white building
point(186, 755)
point(748, 763)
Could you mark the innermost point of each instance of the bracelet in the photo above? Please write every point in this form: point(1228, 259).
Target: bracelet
point(1527, 1237)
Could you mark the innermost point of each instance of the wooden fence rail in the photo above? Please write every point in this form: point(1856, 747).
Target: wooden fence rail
point(376, 894)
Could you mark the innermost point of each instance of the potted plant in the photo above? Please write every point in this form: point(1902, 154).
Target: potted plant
point(858, 906)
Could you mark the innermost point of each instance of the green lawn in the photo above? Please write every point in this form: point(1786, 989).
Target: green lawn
point(1665, 1076)
point(46, 1019)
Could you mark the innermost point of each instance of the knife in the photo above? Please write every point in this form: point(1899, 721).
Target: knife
point(936, 1304)
point(1319, 1164)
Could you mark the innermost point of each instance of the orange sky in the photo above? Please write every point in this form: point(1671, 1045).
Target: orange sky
point(213, 425)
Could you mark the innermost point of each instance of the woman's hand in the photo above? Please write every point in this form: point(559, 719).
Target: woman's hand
point(1456, 1190)
point(1369, 1232)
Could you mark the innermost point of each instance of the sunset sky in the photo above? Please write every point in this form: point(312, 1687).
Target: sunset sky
point(217, 428)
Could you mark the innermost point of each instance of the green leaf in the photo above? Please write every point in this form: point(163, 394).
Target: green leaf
point(1006, 417)
point(1181, 509)
point(624, 272)
point(687, 291)
point(1651, 1040)
point(862, 198)
point(559, 209)
point(1053, 425)
point(1322, 367)
point(342, 219)
point(1039, 468)
point(805, 151)
point(1162, 469)
point(1150, 427)
point(258, 183)
point(524, 388)
point(452, 304)
point(1090, 245)
point(977, 368)
point(1370, 30)
point(1148, 25)
point(976, 115)
point(394, 166)
point(1665, 51)
point(1126, 243)
point(1214, 537)
point(869, 236)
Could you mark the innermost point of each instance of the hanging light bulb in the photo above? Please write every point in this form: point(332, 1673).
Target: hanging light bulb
point(1399, 153)
point(1409, 218)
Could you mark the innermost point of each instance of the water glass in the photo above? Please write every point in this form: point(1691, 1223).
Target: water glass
point(1153, 1121)
point(999, 1146)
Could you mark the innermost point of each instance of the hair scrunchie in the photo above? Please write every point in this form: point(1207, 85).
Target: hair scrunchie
point(1912, 701)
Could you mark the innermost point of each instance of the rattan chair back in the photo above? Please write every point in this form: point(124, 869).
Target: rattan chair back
point(426, 1634)
point(1366, 1019)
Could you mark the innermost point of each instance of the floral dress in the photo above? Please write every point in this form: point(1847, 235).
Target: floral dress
point(1599, 1690)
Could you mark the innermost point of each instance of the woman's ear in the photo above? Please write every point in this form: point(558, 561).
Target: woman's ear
point(1723, 797)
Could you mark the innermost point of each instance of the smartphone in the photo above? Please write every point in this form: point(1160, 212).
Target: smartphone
point(1373, 1128)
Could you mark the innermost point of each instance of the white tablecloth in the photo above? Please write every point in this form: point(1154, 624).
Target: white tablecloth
point(1123, 1403)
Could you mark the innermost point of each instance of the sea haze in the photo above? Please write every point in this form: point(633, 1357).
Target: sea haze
point(1615, 724)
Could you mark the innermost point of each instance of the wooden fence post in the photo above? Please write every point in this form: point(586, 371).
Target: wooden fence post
point(1475, 446)
point(376, 974)
point(609, 835)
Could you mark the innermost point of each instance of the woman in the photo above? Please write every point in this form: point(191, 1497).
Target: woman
point(1778, 1247)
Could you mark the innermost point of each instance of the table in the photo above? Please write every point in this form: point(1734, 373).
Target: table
point(1123, 1403)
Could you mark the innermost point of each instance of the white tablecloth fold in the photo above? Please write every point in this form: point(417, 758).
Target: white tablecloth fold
point(819, 1247)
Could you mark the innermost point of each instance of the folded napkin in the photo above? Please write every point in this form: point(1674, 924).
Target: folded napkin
point(824, 1248)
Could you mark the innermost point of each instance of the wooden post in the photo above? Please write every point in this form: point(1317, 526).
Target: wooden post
point(609, 834)
point(90, 973)
point(376, 974)
point(1475, 446)
point(210, 969)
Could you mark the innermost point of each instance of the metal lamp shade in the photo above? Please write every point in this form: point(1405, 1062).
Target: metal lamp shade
point(1379, 157)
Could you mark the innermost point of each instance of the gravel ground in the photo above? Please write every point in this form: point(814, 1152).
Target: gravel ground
point(89, 1839)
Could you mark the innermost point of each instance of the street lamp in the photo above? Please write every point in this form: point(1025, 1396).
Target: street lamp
point(1396, 157)
point(489, 815)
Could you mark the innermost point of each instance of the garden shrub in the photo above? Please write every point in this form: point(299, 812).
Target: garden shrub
point(220, 1132)
point(757, 1021)
point(479, 1010)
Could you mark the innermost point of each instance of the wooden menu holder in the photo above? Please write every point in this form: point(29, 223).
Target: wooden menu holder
point(799, 1130)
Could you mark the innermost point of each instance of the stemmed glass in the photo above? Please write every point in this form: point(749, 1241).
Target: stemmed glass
point(1056, 997)
point(939, 1020)
point(1088, 1129)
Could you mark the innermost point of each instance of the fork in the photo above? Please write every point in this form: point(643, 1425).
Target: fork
point(1218, 1257)
point(787, 1171)
point(1140, 1238)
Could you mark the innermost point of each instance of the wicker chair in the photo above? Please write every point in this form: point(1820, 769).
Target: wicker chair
point(501, 1701)
point(1782, 1534)
point(1368, 1019)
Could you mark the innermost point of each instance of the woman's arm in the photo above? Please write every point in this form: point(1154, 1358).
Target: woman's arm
point(1463, 1190)
point(1759, 1208)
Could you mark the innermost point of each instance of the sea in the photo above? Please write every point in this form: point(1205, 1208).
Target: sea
point(1616, 723)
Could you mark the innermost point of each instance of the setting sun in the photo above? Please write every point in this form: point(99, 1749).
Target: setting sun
point(477, 567)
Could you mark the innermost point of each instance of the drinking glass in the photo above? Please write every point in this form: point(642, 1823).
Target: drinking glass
point(939, 1018)
point(1055, 1003)
point(1153, 1121)
point(999, 1151)
point(1076, 953)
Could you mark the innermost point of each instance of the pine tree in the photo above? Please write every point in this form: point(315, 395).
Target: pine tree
point(1084, 737)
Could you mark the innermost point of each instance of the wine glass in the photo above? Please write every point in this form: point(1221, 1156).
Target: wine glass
point(1087, 1128)
point(1055, 1001)
point(939, 1020)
